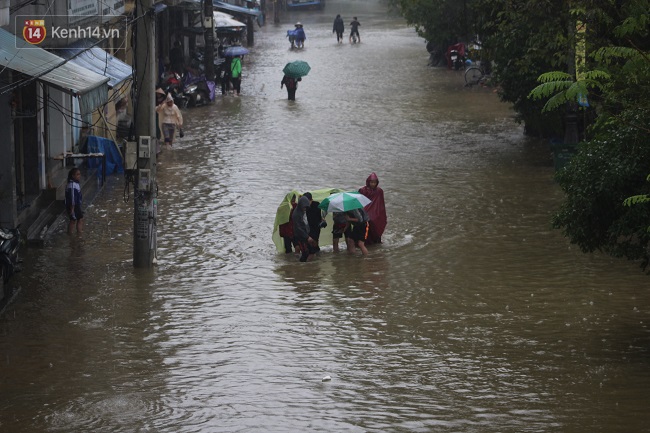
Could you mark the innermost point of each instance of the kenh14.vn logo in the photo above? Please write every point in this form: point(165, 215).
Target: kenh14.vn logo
point(34, 31)
point(56, 31)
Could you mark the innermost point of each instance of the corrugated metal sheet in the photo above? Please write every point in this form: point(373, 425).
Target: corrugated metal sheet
point(90, 87)
point(223, 6)
point(97, 60)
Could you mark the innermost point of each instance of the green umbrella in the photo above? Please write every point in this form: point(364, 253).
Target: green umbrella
point(344, 201)
point(296, 69)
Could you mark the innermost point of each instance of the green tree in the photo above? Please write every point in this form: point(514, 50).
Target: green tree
point(441, 22)
point(525, 40)
point(520, 37)
point(612, 164)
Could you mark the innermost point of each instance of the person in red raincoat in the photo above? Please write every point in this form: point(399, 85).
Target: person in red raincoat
point(376, 209)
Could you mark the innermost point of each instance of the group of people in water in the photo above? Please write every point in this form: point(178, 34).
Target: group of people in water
point(339, 29)
point(359, 227)
point(297, 36)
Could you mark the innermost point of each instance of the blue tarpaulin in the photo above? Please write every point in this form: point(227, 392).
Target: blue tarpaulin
point(107, 147)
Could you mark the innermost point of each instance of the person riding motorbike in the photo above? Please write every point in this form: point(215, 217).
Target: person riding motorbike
point(300, 35)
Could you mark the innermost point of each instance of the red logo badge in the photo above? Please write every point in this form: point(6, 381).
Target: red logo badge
point(34, 31)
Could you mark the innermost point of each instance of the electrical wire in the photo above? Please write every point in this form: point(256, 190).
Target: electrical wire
point(33, 77)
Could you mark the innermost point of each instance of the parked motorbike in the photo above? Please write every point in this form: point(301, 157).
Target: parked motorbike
point(172, 83)
point(456, 56)
point(456, 60)
point(198, 90)
point(9, 262)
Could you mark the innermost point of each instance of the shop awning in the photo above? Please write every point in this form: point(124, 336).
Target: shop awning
point(89, 87)
point(222, 6)
point(97, 60)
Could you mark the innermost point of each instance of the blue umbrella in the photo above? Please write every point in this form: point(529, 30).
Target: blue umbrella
point(235, 51)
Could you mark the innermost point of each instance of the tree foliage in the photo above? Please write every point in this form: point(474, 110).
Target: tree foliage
point(605, 172)
point(441, 22)
point(608, 175)
point(607, 205)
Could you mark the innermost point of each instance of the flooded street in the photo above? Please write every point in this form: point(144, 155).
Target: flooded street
point(472, 316)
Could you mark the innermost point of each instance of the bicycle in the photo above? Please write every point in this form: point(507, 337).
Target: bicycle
point(476, 75)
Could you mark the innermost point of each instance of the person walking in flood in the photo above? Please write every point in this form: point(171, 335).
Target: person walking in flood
point(355, 29)
point(286, 230)
point(339, 28)
point(235, 74)
point(315, 219)
point(300, 35)
point(292, 86)
point(171, 119)
point(301, 230)
point(376, 209)
point(357, 232)
point(73, 199)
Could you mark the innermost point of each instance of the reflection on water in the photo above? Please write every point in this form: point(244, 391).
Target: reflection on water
point(474, 315)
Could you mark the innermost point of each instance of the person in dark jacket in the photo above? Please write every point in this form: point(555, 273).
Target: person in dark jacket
point(301, 230)
point(292, 85)
point(355, 29)
point(339, 28)
point(314, 219)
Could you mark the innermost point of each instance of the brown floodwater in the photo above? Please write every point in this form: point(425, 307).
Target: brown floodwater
point(472, 316)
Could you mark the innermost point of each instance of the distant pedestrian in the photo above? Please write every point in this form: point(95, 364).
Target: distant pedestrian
point(177, 58)
point(235, 74)
point(160, 98)
point(355, 29)
point(224, 76)
point(300, 35)
point(73, 200)
point(339, 28)
point(292, 85)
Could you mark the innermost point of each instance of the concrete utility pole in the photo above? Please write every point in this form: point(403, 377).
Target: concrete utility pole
point(145, 198)
point(208, 23)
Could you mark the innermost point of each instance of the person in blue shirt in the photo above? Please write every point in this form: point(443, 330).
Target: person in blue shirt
point(73, 199)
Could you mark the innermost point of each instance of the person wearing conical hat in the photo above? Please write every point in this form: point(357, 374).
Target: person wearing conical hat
point(300, 35)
